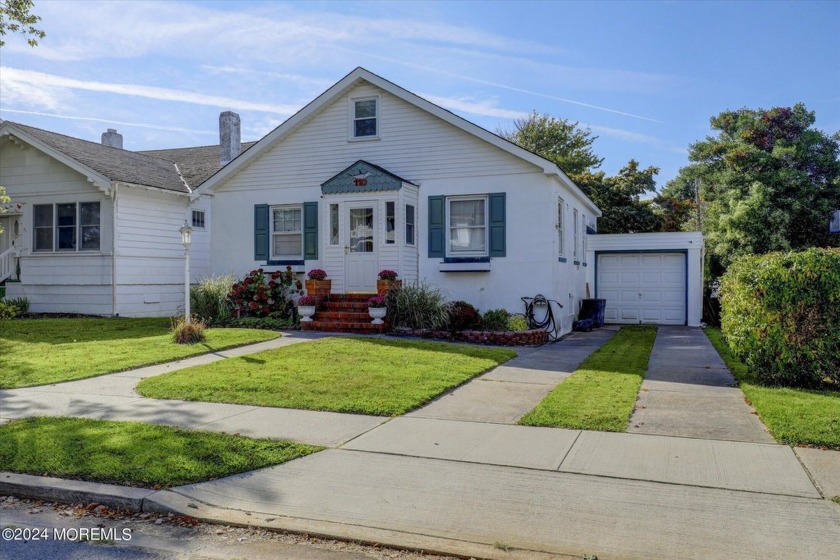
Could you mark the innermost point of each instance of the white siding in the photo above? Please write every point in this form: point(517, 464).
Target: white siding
point(150, 256)
point(77, 282)
point(413, 144)
point(200, 249)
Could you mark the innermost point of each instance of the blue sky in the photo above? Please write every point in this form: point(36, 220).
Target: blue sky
point(644, 76)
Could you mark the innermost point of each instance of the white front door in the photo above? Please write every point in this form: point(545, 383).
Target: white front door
point(360, 259)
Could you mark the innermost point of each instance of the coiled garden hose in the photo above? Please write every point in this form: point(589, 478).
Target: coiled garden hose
point(548, 322)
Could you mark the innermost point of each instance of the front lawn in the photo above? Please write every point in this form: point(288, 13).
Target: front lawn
point(43, 351)
point(132, 453)
point(601, 393)
point(794, 416)
point(355, 375)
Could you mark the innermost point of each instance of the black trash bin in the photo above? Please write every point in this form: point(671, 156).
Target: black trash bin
point(594, 309)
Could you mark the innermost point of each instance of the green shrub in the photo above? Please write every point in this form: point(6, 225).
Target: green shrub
point(517, 322)
point(188, 333)
point(209, 298)
point(781, 316)
point(262, 293)
point(495, 320)
point(269, 323)
point(463, 316)
point(417, 305)
point(21, 304)
point(7, 310)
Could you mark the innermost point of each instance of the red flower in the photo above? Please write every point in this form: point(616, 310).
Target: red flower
point(253, 305)
point(266, 310)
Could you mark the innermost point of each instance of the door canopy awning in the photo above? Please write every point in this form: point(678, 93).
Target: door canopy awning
point(363, 177)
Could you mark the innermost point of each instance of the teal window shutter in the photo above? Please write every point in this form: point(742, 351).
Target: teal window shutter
point(437, 239)
point(310, 231)
point(498, 217)
point(261, 233)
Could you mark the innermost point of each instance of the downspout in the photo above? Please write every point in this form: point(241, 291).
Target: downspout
point(114, 250)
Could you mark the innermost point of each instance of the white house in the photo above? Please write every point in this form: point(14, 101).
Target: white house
point(366, 177)
point(93, 228)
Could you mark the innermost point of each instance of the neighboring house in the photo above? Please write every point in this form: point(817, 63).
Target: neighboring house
point(366, 177)
point(93, 228)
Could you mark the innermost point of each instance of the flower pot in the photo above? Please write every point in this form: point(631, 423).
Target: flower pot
point(383, 286)
point(377, 314)
point(306, 312)
point(318, 288)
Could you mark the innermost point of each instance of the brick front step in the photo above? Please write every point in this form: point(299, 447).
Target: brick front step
point(344, 326)
point(343, 316)
point(351, 297)
point(346, 306)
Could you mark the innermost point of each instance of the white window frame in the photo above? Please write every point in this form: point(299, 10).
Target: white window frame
point(575, 222)
point(275, 256)
point(413, 224)
point(337, 224)
point(561, 224)
point(448, 225)
point(583, 238)
point(203, 215)
point(393, 216)
point(54, 227)
point(352, 117)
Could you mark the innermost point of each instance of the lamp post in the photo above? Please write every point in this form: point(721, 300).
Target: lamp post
point(186, 239)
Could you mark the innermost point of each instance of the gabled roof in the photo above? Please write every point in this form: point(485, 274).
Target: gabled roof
point(113, 164)
point(195, 164)
point(352, 79)
point(363, 177)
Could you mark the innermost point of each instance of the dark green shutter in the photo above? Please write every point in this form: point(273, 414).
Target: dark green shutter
point(498, 246)
point(437, 216)
point(261, 232)
point(310, 231)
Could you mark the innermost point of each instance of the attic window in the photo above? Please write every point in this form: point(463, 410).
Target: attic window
point(365, 116)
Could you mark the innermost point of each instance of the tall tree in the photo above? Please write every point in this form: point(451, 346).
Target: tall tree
point(620, 199)
point(769, 181)
point(16, 16)
point(559, 140)
point(570, 147)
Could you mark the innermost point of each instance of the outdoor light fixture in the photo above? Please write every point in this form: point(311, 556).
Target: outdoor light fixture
point(186, 235)
point(186, 239)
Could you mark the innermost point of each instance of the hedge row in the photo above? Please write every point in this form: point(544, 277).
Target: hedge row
point(781, 316)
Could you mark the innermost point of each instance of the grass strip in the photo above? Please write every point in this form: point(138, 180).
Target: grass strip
point(134, 454)
point(44, 351)
point(356, 375)
point(793, 416)
point(601, 393)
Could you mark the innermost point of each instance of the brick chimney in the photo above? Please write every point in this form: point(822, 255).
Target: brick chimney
point(230, 136)
point(112, 138)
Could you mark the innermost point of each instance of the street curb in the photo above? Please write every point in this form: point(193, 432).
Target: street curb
point(166, 501)
point(63, 490)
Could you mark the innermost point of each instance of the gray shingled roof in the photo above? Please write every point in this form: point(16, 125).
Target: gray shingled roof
point(172, 170)
point(196, 164)
point(113, 163)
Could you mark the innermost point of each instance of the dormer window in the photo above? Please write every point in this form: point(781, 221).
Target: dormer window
point(365, 117)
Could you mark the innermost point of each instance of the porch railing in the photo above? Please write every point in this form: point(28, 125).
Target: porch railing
point(7, 263)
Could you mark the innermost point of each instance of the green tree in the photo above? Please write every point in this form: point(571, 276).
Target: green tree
point(769, 181)
point(557, 140)
point(15, 16)
point(620, 199)
point(570, 147)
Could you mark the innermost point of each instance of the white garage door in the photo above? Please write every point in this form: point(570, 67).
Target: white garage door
point(643, 287)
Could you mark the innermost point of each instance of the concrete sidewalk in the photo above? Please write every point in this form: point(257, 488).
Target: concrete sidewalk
point(689, 392)
point(511, 390)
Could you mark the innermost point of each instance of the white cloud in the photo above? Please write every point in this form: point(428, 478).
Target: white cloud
point(113, 122)
point(483, 108)
point(17, 80)
point(624, 134)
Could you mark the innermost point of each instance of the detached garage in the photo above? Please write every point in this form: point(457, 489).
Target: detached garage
point(654, 278)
